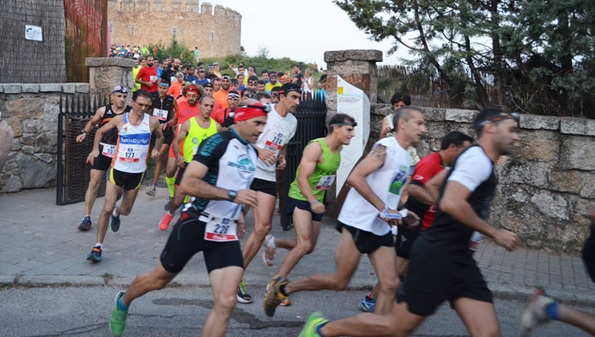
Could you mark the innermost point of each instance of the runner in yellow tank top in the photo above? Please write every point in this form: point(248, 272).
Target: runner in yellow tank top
point(191, 133)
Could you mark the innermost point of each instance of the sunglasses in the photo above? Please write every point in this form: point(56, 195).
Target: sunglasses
point(252, 83)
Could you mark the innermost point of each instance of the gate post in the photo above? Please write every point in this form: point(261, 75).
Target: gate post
point(107, 72)
point(358, 68)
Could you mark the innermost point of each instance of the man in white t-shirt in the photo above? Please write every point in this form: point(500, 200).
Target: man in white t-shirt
point(366, 217)
point(272, 146)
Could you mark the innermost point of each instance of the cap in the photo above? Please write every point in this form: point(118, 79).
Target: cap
point(216, 64)
point(289, 87)
point(208, 85)
point(120, 89)
point(164, 85)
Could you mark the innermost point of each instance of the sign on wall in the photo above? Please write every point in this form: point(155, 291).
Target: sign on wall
point(354, 102)
point(33, 33)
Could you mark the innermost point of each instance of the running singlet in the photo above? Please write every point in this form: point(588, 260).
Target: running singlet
point(231, 163)
point(196, 135)
point(323, 176)
point(186, 111)
point(427, 168)
point(387, 183)
point(133, 146)
point(109, 139)
point(474, 170)
point(277, 133)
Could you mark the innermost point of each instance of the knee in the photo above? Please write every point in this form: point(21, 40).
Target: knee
point(94, 184)
point(262, 229)
point(305, 248)
point(124, 210)
point(108, 208)
point(225, 304)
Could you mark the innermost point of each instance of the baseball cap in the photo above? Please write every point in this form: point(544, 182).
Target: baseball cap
point(216, 64)
point(289, 87)
point(120, 89)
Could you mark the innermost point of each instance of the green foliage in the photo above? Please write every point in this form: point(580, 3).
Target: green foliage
point(175, 49)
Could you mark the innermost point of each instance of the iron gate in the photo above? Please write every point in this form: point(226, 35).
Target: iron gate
point(311, 117)
point(73, 171)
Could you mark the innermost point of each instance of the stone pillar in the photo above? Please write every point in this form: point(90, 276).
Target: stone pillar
point(356, 66)
point(107, 72)
point(6, 137)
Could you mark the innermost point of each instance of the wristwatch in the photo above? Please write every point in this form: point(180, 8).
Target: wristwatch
point(231, 195)
point(84, 131)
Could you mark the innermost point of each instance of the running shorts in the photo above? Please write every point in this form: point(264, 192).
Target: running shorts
point(187, 239)
point(128, 181)
point(292, 203)
point(101, 163)
point(265, 186)
point(367, 242)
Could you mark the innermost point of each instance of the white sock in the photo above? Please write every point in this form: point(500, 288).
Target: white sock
point(99, 244)
point(271, 242)
point(114, 213)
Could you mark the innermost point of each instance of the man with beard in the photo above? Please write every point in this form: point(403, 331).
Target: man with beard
point(147, 76)
point(220, 96)
point(224, 116)
point(168, 74)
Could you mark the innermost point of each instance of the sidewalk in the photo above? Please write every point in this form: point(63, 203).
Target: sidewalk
point(40, 245)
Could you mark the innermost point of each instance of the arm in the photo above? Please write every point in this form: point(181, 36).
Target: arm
point(172, 122)
point(179, 139)
point(281, 160)
point(115, 122)
point(384, 129)
point(89, 126)
point(310, 159)
point(433, 185)
point(357, 178)
point(421, 194)
point(156, 129)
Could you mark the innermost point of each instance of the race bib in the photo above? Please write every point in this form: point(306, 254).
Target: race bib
point(160, 114)
point(325, 182)
point(153, 78)
point(221, 229)
point(108, 150)
point(131, 153)
point(270, 145)
point(475, 241)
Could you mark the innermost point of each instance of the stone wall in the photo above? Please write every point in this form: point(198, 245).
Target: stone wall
point(215, 31)
point(546, 187)
point(32, 111)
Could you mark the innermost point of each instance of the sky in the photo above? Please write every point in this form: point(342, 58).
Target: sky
point(301, 30)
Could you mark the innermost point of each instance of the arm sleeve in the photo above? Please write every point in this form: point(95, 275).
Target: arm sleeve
point(472, 168)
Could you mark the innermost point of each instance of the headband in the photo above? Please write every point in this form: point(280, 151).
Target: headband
point(251, 111)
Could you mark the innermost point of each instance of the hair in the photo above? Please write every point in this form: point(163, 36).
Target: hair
point(179, 73)
point(141, 93)
point(261, 82)
point(398, 97)
point(202, 98)
point(455, 137)
point(485, 115)
point(276, 89)
point(248, 92)
point(260, 95)
point(253, 79)
point(404, 113)
point(234, 81)
point(264, 71)
point(340, 118)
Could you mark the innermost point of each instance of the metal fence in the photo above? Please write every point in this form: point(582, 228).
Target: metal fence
point(311, 117)
point(73, 171)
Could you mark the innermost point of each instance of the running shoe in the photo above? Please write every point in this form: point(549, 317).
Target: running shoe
point(117, 320)
point(314, 322)
point(269, 250)
point(284, 303)
point(151, 190)
point(95, 255)
point(367, 304)
point(86, 224)
point(274, 297)
point(164, 223)
point(166, 207)
point(535, 314)
point(115, 223)
point(242, 295)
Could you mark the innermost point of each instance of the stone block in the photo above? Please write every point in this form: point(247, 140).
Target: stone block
point(25, 107)
point(537, 122)
point(434, 114)
point(551, 205)
point(46, 142)
point(68, 88)
point(16, 144)
point(565, 181)
point(35, 173)
point(523, 172)
point(11, 184)
point(109, 62)
point(381, 109)
point(50, 87)
point(1, 88)
point(12, 88)
point(45, 157)
point(33, 88)
point(353, 55)
point(15, 124)
point(6, 138)
point(81, 88)
point(577, 126)
point(534, 147)
point(459, 115)
point(31, 126)
point(29, 149)
point(577, 153)
point(587, 189)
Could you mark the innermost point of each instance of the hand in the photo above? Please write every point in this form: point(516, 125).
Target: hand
point(91, 157)
point(81, 137)
point(180, 161)
point(246, 197)
point(392, 222)
point(282, 163)
point(267, 156)
point(317, 207)
point(241, 227)
point(164, 126)
point(506, 239)
point(411, 220)
point(155, 154)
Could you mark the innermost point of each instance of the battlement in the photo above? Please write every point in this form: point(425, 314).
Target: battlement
point(173, 6)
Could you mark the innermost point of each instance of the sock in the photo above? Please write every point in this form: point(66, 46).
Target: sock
point(114, 213)
point(99, 244)
point(171, 185)
point(552, 311)
point(186, 199)
point(318, 329)
point(121, 305)
point(271, 242)
point(87, 216)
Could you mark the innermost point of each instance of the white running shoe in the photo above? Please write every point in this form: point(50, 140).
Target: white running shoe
point(534, 314)
point(269, 250)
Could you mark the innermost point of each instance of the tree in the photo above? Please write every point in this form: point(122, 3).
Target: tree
point(503, 45)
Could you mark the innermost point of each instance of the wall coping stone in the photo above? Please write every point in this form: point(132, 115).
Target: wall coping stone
point(577, 126)
point(30, 88)
point(12, 88)
point(50, 87)
point(537, 122)
point(68, 88)
point(369, 55)
point(109, 62)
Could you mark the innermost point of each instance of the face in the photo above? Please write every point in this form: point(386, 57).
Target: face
point(265, 77)
point(275, 97)
point(454, 151)
point(291, 101)
point(201, 73)
point(150, 61)
point(233, 102)
point(506, 136)
point(180, 78)
point(252, 84)
point(260, 87)
point(252, 128)
point(415, 127)
point(119, 100)
point(192, 98)
point(345, 133)
point(225, 82)
point(142, 105)
point(176, 64)
point(398, 105)
point(207, 106)
point(143, 63)
point(209, 91)
point(216, 85)
point(240, 79)
point(251, 71)
point(273, 79)
point(162, 91)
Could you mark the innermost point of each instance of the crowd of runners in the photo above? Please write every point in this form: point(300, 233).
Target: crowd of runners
point(222, 139)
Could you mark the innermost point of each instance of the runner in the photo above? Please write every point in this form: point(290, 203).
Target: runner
point(192, 133)
point(421, 202)
point(219, 177)
point(272, 145)
point(364, 220)
point(442, 265)
point(164, 109)
point(314, 176)
point(129, 162)
point(108, 146)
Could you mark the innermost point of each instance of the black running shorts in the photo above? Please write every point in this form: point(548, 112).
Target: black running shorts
point(367, 242)
point(187, 239)
point(292, 203)
point(265, 186)
point(128, 181)
point(405, 239)
point(435, 275)
point(101, 163)
point(180, 174)
point(168, 137)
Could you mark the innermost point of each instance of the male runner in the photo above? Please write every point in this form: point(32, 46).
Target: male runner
point(442, 265)
point(129, 162)
point(364, 220)
point(219, 177)
point(108, 146)
point(192, 133)
point(164, 109)
point(314, 176)
point(272, 145)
